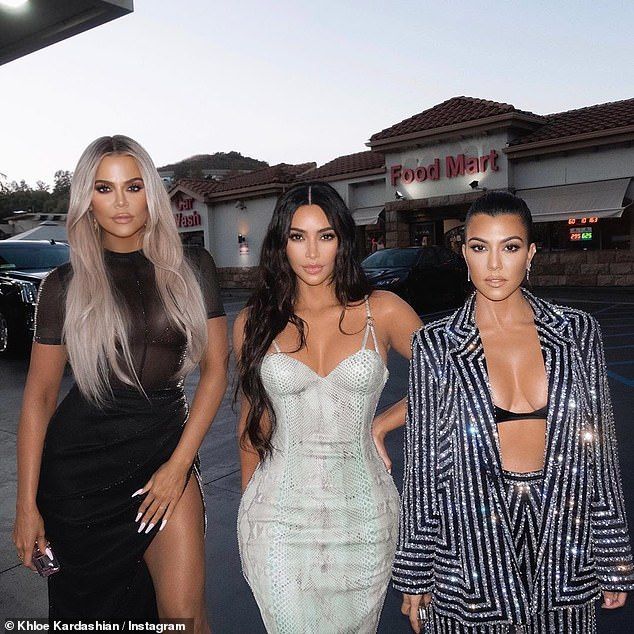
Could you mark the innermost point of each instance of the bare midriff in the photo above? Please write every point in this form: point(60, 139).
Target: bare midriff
point(522, 444)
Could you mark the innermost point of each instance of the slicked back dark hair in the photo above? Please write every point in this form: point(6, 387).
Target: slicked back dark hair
point(498, 203)
point(272, 305)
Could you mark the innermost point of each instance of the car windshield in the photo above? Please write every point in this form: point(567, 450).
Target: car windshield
point(389, 258)
point(32, 257)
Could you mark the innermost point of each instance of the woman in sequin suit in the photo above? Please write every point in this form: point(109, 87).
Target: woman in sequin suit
point(110, 475)
point(512, 513)
point(318, 520)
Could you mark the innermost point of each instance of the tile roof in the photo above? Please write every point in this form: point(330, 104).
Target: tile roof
point(602, 117)
point(282, 174)
point(450, 112)
point(358, 162)
point(200, 186)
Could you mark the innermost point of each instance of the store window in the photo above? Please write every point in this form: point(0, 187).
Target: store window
point(374, 235)
point(616, 233)
point(422, 234)
point(585, 233)
point(454, 239)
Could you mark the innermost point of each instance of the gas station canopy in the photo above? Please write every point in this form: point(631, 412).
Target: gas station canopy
point(29, 25)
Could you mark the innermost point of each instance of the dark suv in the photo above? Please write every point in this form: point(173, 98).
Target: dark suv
point(426, 277)
point(23, 265)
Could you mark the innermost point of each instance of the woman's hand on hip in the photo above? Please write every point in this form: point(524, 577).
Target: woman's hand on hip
point(27, 531)
point(378, 437)
point(162, 493)
point(613, 600)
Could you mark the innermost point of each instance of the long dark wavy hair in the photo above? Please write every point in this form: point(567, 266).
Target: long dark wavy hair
point(272, 305)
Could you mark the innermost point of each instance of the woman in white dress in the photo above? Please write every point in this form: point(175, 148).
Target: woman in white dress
point(318, 521)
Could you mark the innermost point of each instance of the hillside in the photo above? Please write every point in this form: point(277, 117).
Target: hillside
point(193, 166)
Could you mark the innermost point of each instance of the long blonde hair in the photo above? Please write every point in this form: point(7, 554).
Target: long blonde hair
point(96, 327)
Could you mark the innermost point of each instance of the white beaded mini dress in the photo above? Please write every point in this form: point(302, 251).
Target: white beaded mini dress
point(318, 522)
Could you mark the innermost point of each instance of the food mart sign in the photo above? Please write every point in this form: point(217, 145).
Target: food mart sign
point(451, 166)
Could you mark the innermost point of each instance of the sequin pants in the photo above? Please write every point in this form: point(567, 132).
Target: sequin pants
point(523, 496)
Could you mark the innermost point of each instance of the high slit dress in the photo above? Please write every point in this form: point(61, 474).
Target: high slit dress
point(318, 522)
point(95, 458)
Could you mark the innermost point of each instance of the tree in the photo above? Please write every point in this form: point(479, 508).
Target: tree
point(20, 196)
point(62, 180)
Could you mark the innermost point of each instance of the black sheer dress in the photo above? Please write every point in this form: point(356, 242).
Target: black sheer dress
point(94, 459)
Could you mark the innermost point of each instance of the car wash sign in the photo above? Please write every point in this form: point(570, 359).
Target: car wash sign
point(185, 215)
point(450, 166)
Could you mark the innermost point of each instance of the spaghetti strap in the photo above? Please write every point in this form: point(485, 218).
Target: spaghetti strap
point(277, 348)
point(369, 328)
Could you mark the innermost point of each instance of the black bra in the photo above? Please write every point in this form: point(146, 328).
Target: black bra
point(504, 415)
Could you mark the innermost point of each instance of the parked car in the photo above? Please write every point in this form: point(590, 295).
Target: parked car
point(23, 265)
point(425, 277)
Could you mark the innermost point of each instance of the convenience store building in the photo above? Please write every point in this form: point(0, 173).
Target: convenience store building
point(414, 185)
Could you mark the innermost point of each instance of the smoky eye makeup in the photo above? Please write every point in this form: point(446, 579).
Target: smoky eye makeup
point(476, 245)
point(136, 183)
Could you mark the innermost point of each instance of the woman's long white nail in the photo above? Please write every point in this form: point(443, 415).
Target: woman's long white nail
point(163, 525)
point(138, 517)
point(141, 527)
point(149, 528)
point(137, 493)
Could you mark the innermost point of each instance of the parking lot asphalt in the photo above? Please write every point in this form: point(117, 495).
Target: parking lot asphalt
point(231, 607)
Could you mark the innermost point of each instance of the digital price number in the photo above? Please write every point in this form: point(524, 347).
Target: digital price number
point(580, 234)
point(591, 220)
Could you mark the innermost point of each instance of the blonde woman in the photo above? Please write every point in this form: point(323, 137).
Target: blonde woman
point(105, 476)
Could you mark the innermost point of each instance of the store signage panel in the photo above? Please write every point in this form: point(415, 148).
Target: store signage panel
point(450, 166)
point(186, 215)
point(184, 204)
point(580, 234)
point(185, 221)
point(583, 221)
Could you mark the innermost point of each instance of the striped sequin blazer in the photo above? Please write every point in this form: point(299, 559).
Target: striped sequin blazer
point(455, 534)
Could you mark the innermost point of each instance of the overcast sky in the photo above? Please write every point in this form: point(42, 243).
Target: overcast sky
point(292, 81)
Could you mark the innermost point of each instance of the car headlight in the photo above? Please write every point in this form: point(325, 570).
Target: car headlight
point(28, 292)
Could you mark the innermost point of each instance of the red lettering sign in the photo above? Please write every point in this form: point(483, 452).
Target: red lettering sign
point(408, 176)
point(454, 166)
point(185, 204)
point(190, 220)
point(458, 165)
